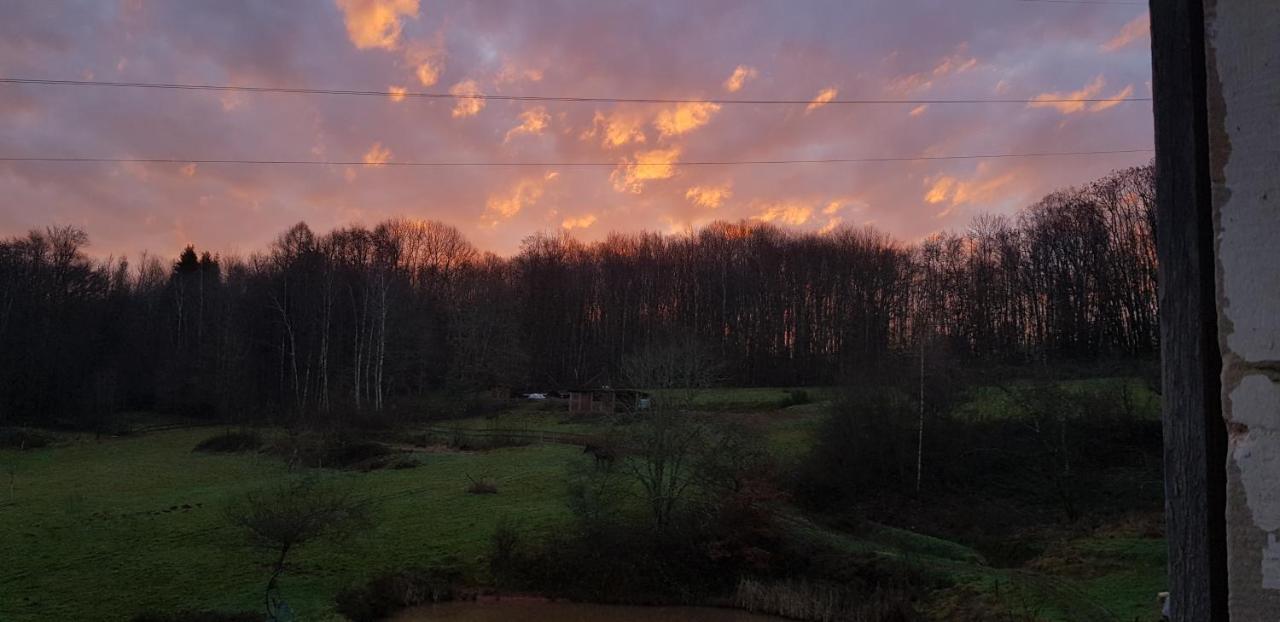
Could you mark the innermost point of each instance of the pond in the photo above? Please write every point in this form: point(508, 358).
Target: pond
point(534, 611)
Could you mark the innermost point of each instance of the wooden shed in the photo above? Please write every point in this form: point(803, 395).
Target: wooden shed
point(606, 400)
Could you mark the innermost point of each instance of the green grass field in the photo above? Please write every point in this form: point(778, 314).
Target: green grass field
point(104, 529)
point(123, 525)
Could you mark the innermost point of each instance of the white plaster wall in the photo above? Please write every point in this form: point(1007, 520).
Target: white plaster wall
point(1243, 39)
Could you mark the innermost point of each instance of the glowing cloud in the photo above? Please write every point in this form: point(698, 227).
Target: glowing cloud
point(709, 197)
point(426, 59)
point(524, 193)
point(739, 77)
point(939, 189)
point(582, 222)
point(631, 175)
point(510, 72)
point(1090, 91)
point(824, 96)
point(787, 212)
point(397, 93)
point(377, 155)
point(838, 205)
point(959, 62)
point(955, 192)
point(376, 23)
point(1123, 94)
point(919, 110)
point(532, 121)
point(831, 225)
point(468, 104)
point(684, 118)
point(616, 130)
point(1134, 31)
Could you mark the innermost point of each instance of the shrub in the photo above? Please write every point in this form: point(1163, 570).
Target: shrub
point(795, 397)
point(482, 486)
point(506, 548)
point(351, 453)
point(865, 446)
point(391, 592)
point(230, 442)
point(334, 452)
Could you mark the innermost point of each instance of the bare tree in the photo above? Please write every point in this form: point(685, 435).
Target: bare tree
point(280, 519)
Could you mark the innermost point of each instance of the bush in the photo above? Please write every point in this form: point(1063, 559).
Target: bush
point(795, 397)
point(230, 442)
point(21, 438)
point(199, 616)
point(391, 592)
point(482, 486)
point(865, 446)
point(333, 452)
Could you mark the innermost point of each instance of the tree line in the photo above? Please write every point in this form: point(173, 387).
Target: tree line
point(368, 320)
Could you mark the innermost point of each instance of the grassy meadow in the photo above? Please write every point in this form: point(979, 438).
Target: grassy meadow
point(107, 528)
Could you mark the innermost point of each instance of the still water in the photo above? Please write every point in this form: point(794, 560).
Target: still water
point(571, 612)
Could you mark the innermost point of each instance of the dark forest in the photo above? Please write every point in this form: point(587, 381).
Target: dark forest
point(361, 320)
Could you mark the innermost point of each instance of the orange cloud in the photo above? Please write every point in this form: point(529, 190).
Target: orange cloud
point(376, 23)
point(824, 96)
point(831, 225)
point(919, 110)
point(467, 104)
point(955, 192)
point(1134, 31)
point(616, 130)
point(739, 77)
point(940, 189)
point(397, 93)
point(709, 197)
point(1123, 94)
point(510, 72)
point(1090, 91)
point(959, 62)
point(524, 193)
point(377, 154)
point(427, 59)
point(786, 212)
point(684, 118)
point(532, 121)
point(581, 222)
point(631, 175)
point(838, 205)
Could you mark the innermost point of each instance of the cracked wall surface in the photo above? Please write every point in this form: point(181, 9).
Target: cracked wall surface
point(1243, 58)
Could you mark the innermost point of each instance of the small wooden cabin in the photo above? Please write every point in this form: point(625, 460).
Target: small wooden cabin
point(606, 401)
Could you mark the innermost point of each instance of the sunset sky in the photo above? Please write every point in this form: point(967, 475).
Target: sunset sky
point(809, 50)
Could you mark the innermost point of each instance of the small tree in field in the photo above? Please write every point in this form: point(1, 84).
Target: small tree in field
point(282, 518)
point(668, 440)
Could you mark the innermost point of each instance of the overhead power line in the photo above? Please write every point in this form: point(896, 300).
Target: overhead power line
point(548, 98)
point(460, 164)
